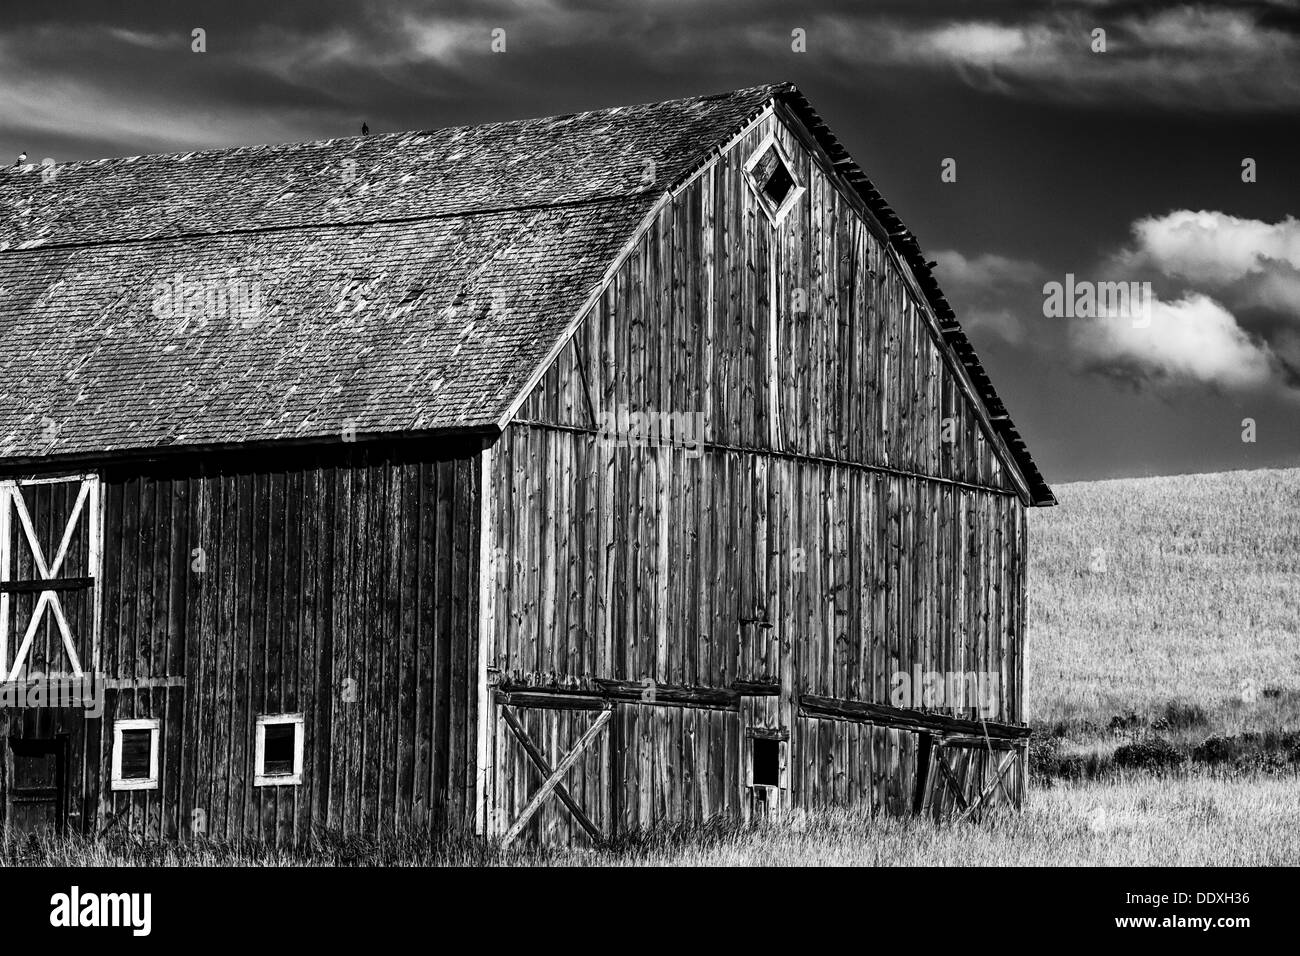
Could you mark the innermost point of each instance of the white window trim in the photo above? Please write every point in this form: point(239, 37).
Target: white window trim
point(150, 724)
point(797, 190)
point(14, 511)
point(263, 779)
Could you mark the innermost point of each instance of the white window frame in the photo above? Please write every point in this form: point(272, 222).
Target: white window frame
point(151, 724)
point(774, 215)
point(14, 518)
point(260, 777)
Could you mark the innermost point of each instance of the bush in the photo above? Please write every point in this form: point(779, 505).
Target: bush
point(1216, 749)
point(1151, 753)
point(1047, 762)
point(1044, 756)
point(1261, 761)
point(1181, 716)
point(1123, 723)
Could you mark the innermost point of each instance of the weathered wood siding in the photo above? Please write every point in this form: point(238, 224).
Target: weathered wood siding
point(648, 564)
point(845, 516)
point(340, 584)
point(659, 764)
point(846, 367)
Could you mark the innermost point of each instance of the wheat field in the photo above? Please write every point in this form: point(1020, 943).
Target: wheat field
point(1184, 589)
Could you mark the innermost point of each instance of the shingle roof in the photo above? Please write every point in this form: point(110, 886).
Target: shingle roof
point(406, 282)
point(582, 157)
point(397, 283)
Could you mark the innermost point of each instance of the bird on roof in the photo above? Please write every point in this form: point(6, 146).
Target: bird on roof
point(22, 158)
point(365, 130)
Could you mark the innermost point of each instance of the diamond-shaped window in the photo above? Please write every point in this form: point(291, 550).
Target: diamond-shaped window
point(773, 180)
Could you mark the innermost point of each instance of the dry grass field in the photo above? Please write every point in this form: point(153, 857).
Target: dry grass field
point(1198, 602)
point(1164, 624)
point(1131, 819)
point(1163, 676)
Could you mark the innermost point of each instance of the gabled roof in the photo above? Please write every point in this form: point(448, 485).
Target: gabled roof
point(407, 282)
point(395, 283)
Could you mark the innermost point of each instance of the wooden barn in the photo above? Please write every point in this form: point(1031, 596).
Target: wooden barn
point(551, 478)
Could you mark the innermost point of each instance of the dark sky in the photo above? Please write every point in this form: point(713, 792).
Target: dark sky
point(1123, 165)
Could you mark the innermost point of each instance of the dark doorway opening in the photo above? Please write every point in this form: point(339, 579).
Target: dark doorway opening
point(767, 762)
point(36, 798)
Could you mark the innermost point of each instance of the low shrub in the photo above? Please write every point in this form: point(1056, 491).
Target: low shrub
point(1149, 753)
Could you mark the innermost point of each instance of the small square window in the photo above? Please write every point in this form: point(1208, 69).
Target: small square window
point(278, 750)
point(773, 181)
point(135, 754)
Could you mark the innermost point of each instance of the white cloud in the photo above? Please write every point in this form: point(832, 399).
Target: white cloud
point(1190, 340)
point(1195, 56)
point(983, 43)
point(1213, 247)
point(150, 40)
point(1213, 268)
point(1196, 30)
point(1231, 309)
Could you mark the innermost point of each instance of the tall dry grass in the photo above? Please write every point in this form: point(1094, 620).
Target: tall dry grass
point(1128, 820)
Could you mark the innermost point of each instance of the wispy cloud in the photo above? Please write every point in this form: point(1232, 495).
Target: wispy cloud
point(275, 71)
point(1192, 56)
point(986, 286)
point(1214, 247)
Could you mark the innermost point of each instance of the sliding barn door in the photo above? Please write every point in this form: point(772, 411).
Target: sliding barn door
point(50, 535)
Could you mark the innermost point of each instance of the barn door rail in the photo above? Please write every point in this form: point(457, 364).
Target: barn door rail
point(917, 721)
point(553, 777)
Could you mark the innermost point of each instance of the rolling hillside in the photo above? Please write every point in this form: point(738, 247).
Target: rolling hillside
point(1167, 595)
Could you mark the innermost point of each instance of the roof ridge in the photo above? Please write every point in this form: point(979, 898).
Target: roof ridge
point(393, 137)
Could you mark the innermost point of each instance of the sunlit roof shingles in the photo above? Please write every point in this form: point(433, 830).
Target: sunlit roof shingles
point(402, 282)
point(505, 229)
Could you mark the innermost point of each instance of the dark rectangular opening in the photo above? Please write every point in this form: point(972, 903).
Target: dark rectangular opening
point(277, 753)
point(136, 747)
point(766, 754)
point(37, 800)
point(34, 769)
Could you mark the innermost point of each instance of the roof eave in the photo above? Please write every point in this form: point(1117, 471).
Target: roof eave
point(484, 434)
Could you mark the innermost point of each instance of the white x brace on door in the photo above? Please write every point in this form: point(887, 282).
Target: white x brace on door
point(50, 552)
